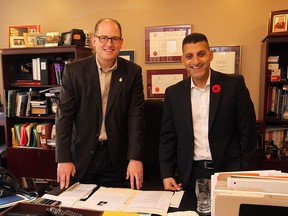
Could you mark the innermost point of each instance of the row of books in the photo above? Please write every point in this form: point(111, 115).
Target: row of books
point(32, 102)
point(41, 135)
point(41, 71)
point(277, 102)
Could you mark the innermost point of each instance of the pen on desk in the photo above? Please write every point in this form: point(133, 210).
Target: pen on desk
point(73, 186)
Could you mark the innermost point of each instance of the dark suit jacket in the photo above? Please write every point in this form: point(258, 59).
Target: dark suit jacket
point(232, 127)
point(79, 115)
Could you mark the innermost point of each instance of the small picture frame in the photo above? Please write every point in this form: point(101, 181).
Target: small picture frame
point(278, 22)
point(66, 38)
point(30, 39)
point(17, 42)
point(52, 39)
point(40, 40)
point(128, 55)
point(16, 31)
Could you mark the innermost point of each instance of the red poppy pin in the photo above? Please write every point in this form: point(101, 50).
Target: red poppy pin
point(216, 88)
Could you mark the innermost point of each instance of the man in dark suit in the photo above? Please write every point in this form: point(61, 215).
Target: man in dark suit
point(94, 145)
point(208, 124)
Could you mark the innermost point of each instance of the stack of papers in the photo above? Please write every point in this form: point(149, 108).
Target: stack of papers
point(128, 200)
point(118, 199)
point(72, 195)
point(264, 187)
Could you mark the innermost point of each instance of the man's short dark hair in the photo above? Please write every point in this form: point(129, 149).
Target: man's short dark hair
point(194, 38)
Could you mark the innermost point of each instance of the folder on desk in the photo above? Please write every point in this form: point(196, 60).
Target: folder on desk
point(265, 184)
point(239, 189)
point(237, 198)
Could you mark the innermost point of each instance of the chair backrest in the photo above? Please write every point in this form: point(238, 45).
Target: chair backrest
point(153, 110)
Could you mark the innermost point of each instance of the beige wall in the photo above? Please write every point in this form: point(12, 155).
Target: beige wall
point(225, 22)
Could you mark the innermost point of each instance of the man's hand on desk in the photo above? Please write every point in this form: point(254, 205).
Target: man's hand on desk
point(135, 172)
point(170, 184)
point(64, 171)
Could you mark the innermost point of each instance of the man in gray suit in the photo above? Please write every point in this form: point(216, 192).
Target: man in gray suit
point(209, 122)
point(94, 145)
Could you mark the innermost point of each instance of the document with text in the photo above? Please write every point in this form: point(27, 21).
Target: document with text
point(128, 200)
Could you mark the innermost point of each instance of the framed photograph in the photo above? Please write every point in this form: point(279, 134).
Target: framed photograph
point(30, 39)
point(66, 38)
point(128, 54)
point(227, 59)
point(159, 80)
point(17, 42)
point(15, 31)
point(40, 40)
point(52, 39)
point(278, 22)
point(164, 43)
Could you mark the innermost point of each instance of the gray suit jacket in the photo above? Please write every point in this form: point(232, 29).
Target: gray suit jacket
point(79, 115)
point(232, 128)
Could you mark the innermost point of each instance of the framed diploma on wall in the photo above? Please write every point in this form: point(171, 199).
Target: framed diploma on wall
point(159, 80)
point(226, 59)
point(164, 43)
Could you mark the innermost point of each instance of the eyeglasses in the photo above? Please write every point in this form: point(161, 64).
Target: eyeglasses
point(105, 39)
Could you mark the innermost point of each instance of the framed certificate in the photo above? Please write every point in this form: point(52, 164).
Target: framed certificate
point(164, 43)
point(227, 59)
point(159, 80)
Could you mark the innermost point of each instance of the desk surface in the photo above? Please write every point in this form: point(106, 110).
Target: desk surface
point(188, 202)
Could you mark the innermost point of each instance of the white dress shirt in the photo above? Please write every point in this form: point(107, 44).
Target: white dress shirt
point(200, 99)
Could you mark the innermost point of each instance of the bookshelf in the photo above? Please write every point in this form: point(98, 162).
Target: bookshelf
point(27, 161)
point(273, 101)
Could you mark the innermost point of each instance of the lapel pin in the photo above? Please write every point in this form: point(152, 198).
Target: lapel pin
point(120, 79)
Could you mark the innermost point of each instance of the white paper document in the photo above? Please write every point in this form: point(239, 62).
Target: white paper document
point(73, 194)
point(128, 200)
point(176, 199)
point(155, 202)
point(112, 199)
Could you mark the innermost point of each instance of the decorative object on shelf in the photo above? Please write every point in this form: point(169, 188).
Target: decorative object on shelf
point(88, 38)
point(73, 37)
point(164, 43)
point(278, 22)
point(18, 31)
point(17, 42)
point(30, 39)
point(52, 39)
point(40, 40)
point(65, 39)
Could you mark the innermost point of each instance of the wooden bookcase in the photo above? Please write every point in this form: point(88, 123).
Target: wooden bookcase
point(31, 162)
point(272, 45)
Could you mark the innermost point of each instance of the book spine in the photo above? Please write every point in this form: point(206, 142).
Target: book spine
point(44, 71)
